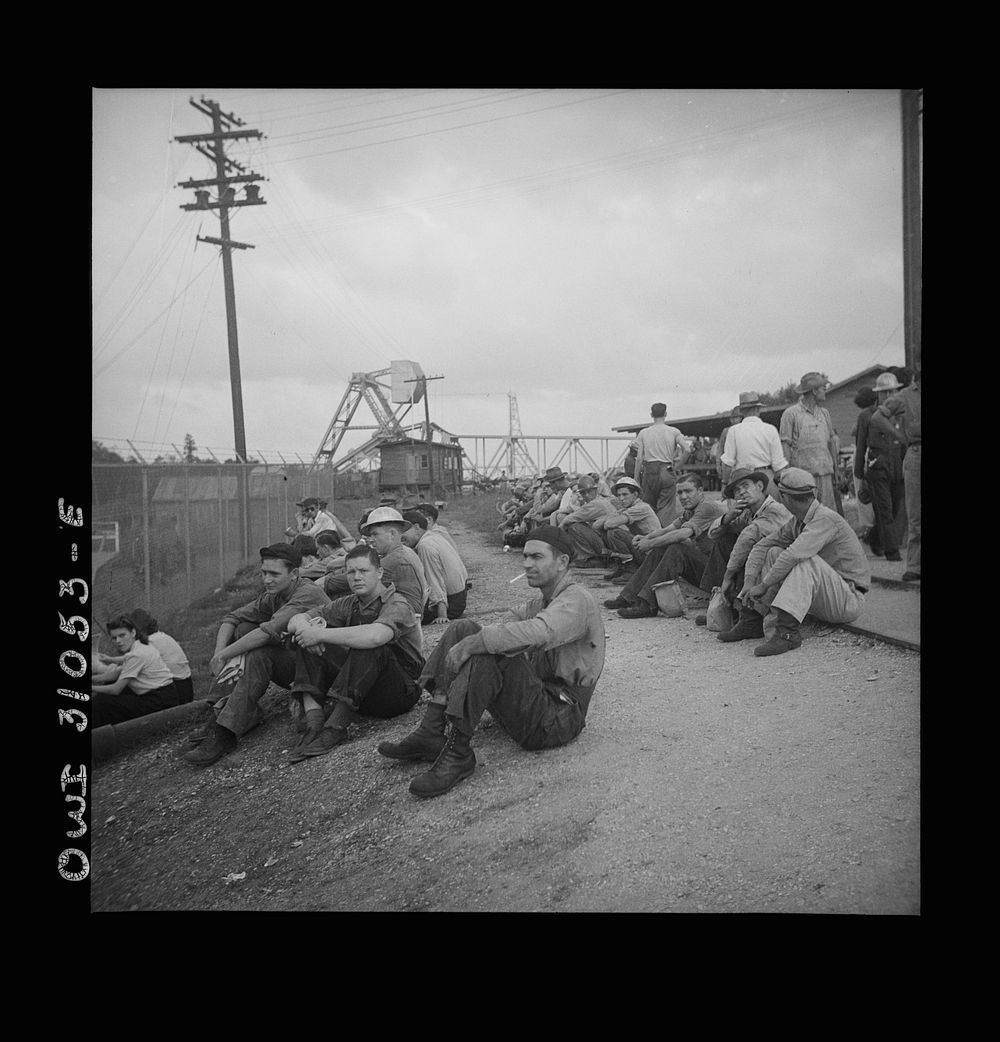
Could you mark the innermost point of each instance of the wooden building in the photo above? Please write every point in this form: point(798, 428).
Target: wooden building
point(406, 465)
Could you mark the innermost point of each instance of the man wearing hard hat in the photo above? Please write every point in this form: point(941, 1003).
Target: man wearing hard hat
point(384, 530)
point(635, 518)
point(883, 470)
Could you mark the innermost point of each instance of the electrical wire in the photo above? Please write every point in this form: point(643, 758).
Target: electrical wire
point(459, 126)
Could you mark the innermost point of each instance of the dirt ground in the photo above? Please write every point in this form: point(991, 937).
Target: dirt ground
point(706, 780)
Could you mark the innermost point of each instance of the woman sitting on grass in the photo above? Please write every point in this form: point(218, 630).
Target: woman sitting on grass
point(141, 684)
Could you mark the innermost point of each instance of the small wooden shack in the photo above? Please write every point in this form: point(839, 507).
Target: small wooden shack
point(406, 464)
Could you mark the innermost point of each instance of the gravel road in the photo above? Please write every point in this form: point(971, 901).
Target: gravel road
point(706, 780)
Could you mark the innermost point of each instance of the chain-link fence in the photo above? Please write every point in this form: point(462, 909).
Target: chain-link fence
point(165, 534)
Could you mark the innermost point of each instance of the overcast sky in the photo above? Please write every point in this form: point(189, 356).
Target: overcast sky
point(591, 251)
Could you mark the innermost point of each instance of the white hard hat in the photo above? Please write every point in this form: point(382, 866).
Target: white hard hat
point(382, 515)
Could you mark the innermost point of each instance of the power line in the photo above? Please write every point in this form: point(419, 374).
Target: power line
point(459, 126)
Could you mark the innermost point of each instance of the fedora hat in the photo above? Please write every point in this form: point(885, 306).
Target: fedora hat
point(748, 399)
point(811, 382)
point(740, 475)
point(555, 474)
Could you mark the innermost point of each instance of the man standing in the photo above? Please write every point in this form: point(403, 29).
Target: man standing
point(737, 531)
point(447, 579)
point(588, 546)
point(813, 564)
point(660, 448)
point(899, 417)
point(881, 458)
point(535, 672)
point(369, 644)
point(679, 550)
point(256, 631)
point(752, 444)
point(619, 529)
point(808, 437)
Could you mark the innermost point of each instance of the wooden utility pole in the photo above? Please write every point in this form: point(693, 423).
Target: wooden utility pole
point(422, 380)
point(227, 173)
point(912, 109)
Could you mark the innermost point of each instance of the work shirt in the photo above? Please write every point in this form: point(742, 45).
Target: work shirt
point(271, 611)
point(387, 608)
point(752, 527)
point(172, 654)
point(443, 568)
point(658, 443)
point(144, 669)
point(403, 569)
point(808, 433)
point(871, 442)
point(753, 444)
point(563, 638)
point(588, 513)
point(821, 533)
point(903, 409)
point(699, 520)
point(640, 519)
point(442, 531)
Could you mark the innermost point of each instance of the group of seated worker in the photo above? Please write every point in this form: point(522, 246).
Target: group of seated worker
point(259, 637)
point(774, 562)
point(362, 655)
point(149, 673)
point(312, 518)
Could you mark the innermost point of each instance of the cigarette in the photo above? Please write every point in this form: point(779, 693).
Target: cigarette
point(516, 577)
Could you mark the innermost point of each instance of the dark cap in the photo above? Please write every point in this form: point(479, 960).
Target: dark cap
point(282, 552)
point(554, 536)
point(308, 502)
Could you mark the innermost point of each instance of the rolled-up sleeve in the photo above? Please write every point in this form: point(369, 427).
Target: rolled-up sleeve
point(563, 621)
point(808, 543)
point(306, 597)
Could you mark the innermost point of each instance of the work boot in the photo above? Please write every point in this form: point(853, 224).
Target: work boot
point(749, 626)
point(328, 739)
point(218, 744)
point(893, 555)
point(642, 610)
point(701, 620)
point(626, 577)
point(313, 720)
point(454, 763)
point(425, 743)
point(910, 577)
point(786, 636)
point(616, 602)
point(617, 567)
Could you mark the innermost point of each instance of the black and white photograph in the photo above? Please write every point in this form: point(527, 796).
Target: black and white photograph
point(501, 500)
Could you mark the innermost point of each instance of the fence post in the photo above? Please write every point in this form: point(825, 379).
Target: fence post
point(187, 529)
point(267, 503)
point(222, 559)
point(145, 534)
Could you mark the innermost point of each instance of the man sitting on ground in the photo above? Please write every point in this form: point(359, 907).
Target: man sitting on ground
point(384, 530)
point(365, 651)
point(535, 673)
point(312, 568)
point(431, 512)
point(620, 528)
point(554, 484)
point(588, 545)
point(736, 533)
point(814, 564)
point(256, 631)
point(680, 550)
point(338, 526)
point(447, 579)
